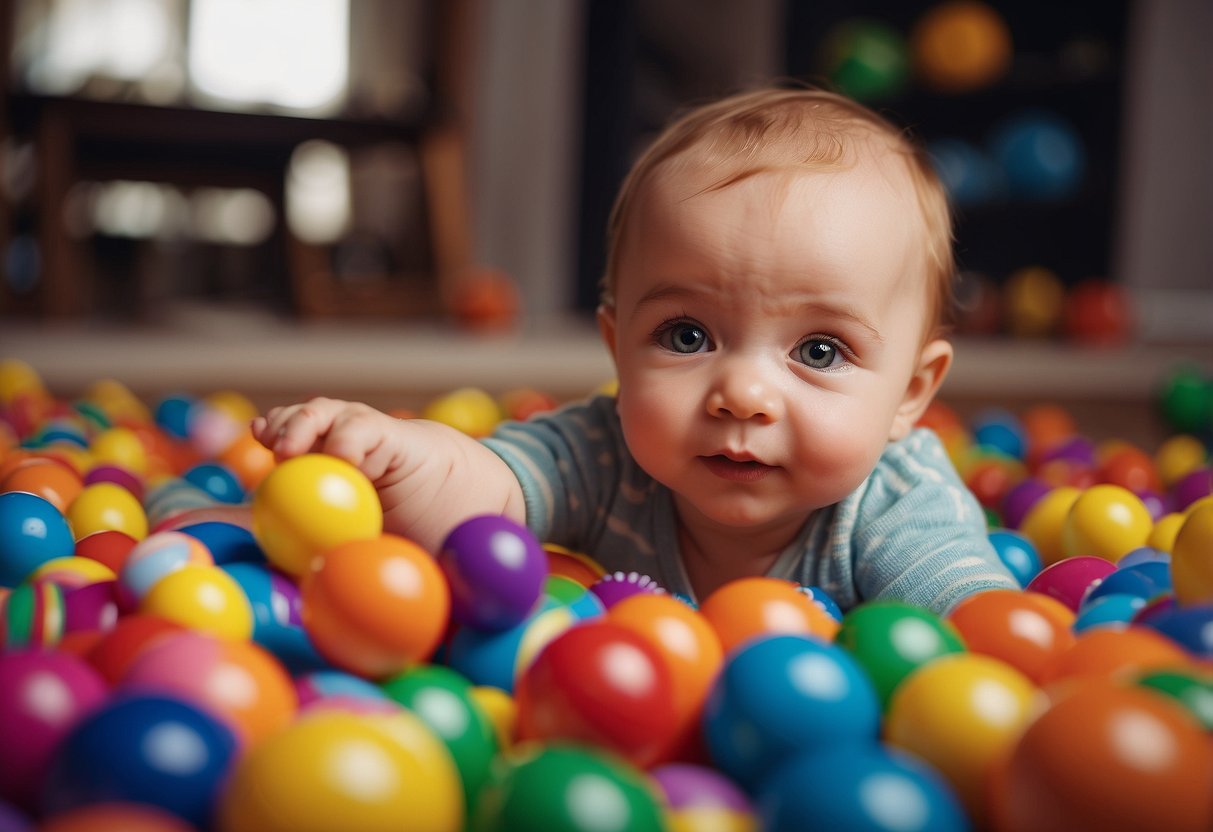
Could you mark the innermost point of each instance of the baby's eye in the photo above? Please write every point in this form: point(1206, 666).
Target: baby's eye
point(684, 337)
point(819, 353)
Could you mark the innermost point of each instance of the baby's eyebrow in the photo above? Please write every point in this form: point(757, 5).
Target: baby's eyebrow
point(665, 292)
point(833, 310)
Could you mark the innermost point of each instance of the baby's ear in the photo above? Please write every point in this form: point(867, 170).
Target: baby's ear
point(606, 326)
point(933, 363)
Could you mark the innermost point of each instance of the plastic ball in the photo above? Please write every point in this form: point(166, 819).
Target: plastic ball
point(248, 459)
point(203, 598)
point(1192, 487)
point(113, 815)
point(1177, 456)
point(870, 787)
point(157, 555)
point(1042, 156)
point(469, 410)
point(1106, 520)
point(1112, 653)
point(1146, 764)
point(618, 586)
point(1114, 610)
point(444, 701)
point(32, 531)
point(122, 447)
point(1069, 580)
point(1025, 630)
point(783, 694)
point(107, 505)
point(43, 694)
point(604, 684)
point(1017, 554)
point(496, 570)
point(321, 686)
point(581, 568)
point(865, 59)
point(1144, 581)
point(750, 607)
point(1131, 468)
point(968, 174)
point(53, 481)
point(1019, 499)
point(174, 497)
point(217, 480)
point(962, 713)
point(1043, 522)
point(354, 600)
point(1187, 401)
point(960, 46)
point(1034, 298)
point(1192, 558)
point(237, 681)
point(172, 415)
point(563, 788)
point(212, 429)
point(93, 607)
point(498, 659)
point(31, 616)
point(310, 504)
point(227, 542)
point(336, 770)
point(109, 547)
point(890, 639)
point(1098, 313)
point(1189, 627)
point(485, 300)
point(1191, 688)
point(18, 377)
point(687, 787)
point(275, 599)
point(501, 711)
point(116, 475)
point(144, 748)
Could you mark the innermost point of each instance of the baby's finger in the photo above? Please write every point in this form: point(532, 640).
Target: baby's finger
point(301, 431)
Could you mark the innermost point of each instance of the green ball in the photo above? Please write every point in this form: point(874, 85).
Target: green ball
point(563, 788)
point(442, 698)
point(1187, 401)
point(892, 639)
point(1194, 692)
point(866, 59)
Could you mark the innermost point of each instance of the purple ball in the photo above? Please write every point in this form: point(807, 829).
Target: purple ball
point(1020, 498)
point(1077, 449)
point(1155, 503)
point(496, 570)
point(690, 786)
point(118, 476)
point(615, 586)
point(43, 694)
point(1191, 487)
point(91, 607)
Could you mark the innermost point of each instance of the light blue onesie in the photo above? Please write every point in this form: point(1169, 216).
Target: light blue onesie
point(910, 531)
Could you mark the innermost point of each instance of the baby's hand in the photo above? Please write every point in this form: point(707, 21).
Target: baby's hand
point(355, 432)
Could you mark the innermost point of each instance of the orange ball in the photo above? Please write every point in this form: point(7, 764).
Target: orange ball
point(1046, 425)
point(1108, 757)
point(750, 607)
point(1130, 467)
point(1114, 653)
point(686, 641)
point(1027, 630)
point(106, 817)
point(374, 607)
point(961, 45)
point(248, 459)
point(54, 482)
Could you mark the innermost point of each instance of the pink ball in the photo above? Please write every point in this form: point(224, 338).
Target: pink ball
point(43, 694)
point(1070, 579)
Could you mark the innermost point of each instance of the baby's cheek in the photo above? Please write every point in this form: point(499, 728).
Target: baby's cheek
point(839, 450)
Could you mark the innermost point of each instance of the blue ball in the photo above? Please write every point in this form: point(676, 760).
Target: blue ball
point(867, 788)
point(1017, 553)
point(1189, 627)
point(1144, 554)
point(143, 748)
point(1144, 581)
point(780, 695)
point(1116, 609)
point(968, 174)
point(1000, 431)
point(32, 531)
point(216, 480)
point(822, 599)
point(1041, 155)
point(173, 415)
point(227, 542)
point(493, 658)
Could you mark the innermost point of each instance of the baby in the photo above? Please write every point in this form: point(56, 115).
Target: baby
point(778, 279)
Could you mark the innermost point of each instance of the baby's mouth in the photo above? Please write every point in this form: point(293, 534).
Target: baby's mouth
point(736, 470)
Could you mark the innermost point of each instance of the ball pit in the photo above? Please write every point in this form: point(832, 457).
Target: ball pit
point(315, 673)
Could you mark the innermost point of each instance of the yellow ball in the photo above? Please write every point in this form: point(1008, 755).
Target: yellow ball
point(1177, 457)
point(1192, 558)
point(1034, 297)
point(18, 378)
point(501, 709)
point(117, 400)
point(1106, 520)
point(71, 571)
point(467, 409)
point(103, 506)
point(234, 404)
point(1162, 536)
point(310, 504)
point(332, 769)
point(121, 447)
point(1043, 523)
point(962, 713)
point(202, 598)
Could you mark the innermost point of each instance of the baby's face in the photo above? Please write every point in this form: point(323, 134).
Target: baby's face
point(766, 335)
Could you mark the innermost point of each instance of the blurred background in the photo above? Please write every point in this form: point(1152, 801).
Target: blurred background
point(387, 198)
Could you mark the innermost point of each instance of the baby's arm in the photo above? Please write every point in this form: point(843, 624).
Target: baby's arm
point(430, 477)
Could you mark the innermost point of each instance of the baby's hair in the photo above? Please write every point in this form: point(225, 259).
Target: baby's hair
point(777, 128)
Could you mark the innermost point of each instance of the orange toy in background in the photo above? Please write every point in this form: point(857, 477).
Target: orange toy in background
point(485, 300)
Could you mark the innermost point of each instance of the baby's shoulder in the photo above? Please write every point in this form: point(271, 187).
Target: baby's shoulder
point(917, 463)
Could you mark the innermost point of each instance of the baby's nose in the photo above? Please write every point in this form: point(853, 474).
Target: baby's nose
point(745, 393)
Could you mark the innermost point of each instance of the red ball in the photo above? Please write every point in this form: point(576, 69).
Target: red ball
point(600, 683)
point(1098, 313)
